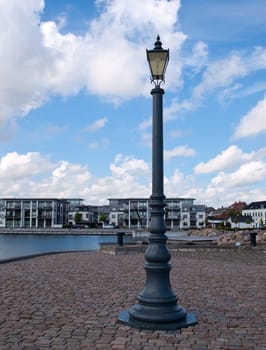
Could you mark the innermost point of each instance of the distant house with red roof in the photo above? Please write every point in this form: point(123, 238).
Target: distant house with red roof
point(231, 215)
point(237, 206)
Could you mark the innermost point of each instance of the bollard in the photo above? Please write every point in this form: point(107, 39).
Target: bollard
point(120, 236)
point(253, 242)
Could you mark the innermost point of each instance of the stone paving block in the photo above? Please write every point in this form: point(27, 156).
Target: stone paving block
point(71, 301)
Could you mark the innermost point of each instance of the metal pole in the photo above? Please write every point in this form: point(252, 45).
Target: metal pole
point(157, 306)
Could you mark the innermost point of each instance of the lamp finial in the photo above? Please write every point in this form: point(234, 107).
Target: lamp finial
point(158, 43)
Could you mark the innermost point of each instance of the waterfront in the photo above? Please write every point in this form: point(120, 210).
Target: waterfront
point(21, 242)
point(17, 245)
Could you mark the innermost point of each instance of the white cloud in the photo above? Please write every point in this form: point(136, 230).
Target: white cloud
point(66, 73)
point(175, 108)
point(53, 61)
point(64, 64)
point(128, 166)
point(257, 59)
point(247, 184)
point(181, 185)
point(247, 174)
point(33, 175)
point(97, 124)
point(14, 166)
point(199, 57)
point(220, 74)
point(130, 177)
point(240, 90)
point(229, 158)
point(145, 124)
point(132, 25)
point(39, 61)
point(173, 185)
point(179, 151)
point(66, 180)
point(223, 77)
point(65, 169)
point(225, 74)
point(253, 123)
point(24, 61)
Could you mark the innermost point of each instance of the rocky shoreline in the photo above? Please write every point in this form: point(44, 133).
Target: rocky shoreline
point(229, 237)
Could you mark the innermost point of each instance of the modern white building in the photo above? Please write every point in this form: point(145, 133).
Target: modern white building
point(180, 213)
point(33, 212)
point(240, 222)
point(82, 215)
point(257, 210)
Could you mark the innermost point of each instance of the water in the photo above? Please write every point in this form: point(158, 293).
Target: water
point(19, 245)
point(13, 246)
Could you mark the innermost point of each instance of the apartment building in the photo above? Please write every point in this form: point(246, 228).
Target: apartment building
point(83, 215)
point(33, 212)
point(257, 211)
point(180, 213)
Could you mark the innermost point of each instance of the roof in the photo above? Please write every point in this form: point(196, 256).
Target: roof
point(238, 206)
point(33, 199)
point(148, 198)
point(256, 205)
point(219, 215)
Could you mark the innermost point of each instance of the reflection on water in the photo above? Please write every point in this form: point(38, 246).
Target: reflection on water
point(12, 246)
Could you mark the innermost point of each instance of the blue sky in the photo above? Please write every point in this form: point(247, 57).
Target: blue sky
point(75, 103)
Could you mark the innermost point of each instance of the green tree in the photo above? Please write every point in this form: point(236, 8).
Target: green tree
point(233, 212)
point(77, 218)
point(102, 218)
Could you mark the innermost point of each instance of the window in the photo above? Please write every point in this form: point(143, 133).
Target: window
point(17, 204)
point(2, 205)
point(27, 205)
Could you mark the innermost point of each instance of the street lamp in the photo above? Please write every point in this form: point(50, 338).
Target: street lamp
point(157, 306)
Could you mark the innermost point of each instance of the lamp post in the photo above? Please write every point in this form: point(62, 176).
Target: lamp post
point(157, 306)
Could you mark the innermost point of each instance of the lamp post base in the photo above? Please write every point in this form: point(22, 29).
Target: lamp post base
point(188, 320)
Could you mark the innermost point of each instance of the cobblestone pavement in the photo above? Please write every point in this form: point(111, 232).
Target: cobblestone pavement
point(72, 300)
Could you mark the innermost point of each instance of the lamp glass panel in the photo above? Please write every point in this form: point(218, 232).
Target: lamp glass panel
point(158, 62)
